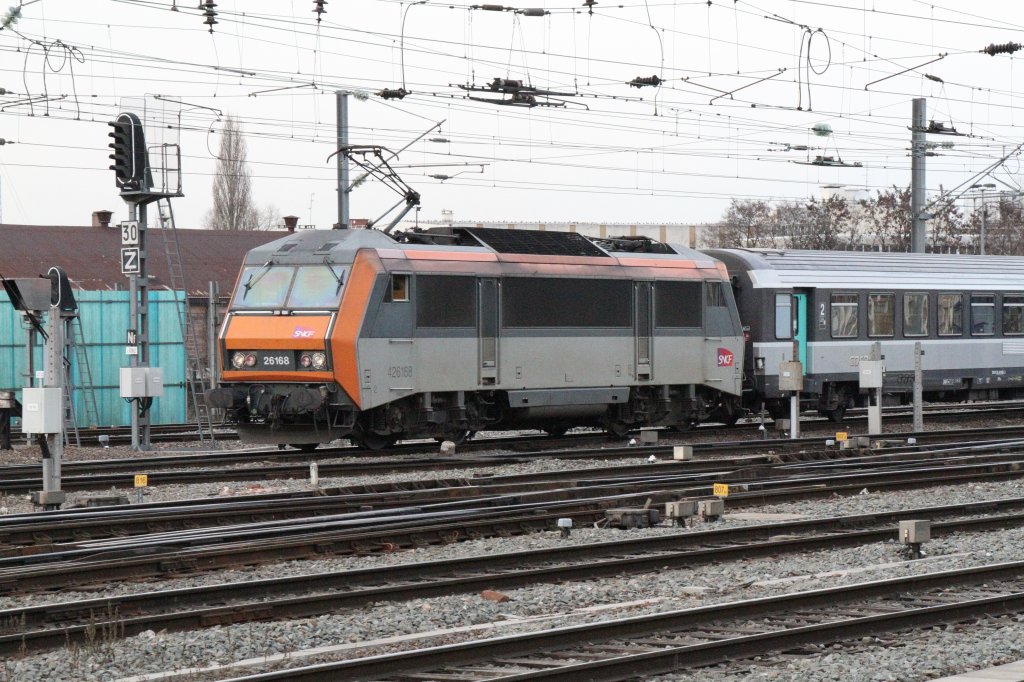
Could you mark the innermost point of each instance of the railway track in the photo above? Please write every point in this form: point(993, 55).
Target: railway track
point(179, 468)
point(54, 625)
point(169, 433)
point(52, 566)
point(657, 643)
point(692, 477)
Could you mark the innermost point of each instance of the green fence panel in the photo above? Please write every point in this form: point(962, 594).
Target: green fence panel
point(104, 322)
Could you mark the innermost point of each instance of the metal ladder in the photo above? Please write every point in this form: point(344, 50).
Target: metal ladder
point(76, 339)
point(196, 382)
point(70, 418)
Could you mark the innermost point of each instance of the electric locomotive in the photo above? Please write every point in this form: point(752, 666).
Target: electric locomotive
point(828, 308)
point(446, 331)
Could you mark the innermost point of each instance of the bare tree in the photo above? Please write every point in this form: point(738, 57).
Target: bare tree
point(828, 226)
point(1004, 229)
point(888, 218)
point(946, 229)
point(745, 224)
point(233, 207)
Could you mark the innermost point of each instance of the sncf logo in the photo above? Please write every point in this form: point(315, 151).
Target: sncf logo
point(303, 333)
point(725, 357)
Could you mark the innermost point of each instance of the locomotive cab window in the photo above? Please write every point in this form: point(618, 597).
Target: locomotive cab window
point(844, 316)
point(915, 314)
point(399, 289)
point(317, 286)
point(1013, 314)
point(263, 286)
point(881, 314)
point(783, 316)
point(677, 304)
point(951, 316)
point(983, 314)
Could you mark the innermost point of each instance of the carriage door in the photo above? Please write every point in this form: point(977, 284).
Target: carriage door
point(642, 325)
point(487, 330)
point(800, 328)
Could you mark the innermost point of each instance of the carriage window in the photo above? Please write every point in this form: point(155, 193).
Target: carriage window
point(915, 314)
point(881, 314)
point(783, 316)
point(983, 314)
point(951, 317)
point(1013, 314)
point(844, 316)
point(399, 290)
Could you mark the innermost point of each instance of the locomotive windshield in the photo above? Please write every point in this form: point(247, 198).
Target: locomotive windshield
point(275, 286)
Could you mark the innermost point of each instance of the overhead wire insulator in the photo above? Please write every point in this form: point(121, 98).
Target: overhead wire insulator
point(533, 12)
point(505, 84)
point(210, 13)
point(1003, 48)
point(318, 7)
point(11, 18)
point(490, 8)
point(642, 81)
point(393, 93)
point(934, 78)
point(589, 4)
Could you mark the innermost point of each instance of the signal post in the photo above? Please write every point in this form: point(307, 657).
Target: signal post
point(140, 382)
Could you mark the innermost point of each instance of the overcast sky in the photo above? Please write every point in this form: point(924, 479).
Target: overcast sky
point(608, 152)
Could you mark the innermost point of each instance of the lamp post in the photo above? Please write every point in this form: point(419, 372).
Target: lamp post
point(984, 214)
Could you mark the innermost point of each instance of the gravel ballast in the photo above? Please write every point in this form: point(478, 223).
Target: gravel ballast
point(543, 606)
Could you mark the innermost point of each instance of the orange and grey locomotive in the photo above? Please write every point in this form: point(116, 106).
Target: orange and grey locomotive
point(446, 331)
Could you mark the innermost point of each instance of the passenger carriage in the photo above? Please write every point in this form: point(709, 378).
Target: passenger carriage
point(967, 312)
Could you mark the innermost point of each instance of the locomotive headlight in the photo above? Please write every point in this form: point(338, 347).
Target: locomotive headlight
point(238, 360)
point(250, 359)
point(305, 360)
point(319, 360)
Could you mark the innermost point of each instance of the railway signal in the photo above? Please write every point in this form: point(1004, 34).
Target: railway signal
point(129, 152)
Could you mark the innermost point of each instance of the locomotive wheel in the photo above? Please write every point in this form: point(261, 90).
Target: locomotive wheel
point(618, 429)
point(457, 437)
point(376, 441)
point(305, 447)
point(835, 415)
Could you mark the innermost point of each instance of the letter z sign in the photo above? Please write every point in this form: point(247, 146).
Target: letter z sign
point(130, 261)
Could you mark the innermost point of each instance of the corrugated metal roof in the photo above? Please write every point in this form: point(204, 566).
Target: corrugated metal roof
point(874, 270)
point(92, 255)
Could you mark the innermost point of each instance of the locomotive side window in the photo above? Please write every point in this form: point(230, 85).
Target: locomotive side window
point(263, 286)
point(715, 295)
point(1013, 314)
point(915, 314)
point(783, 316)
point(951, 317)
point(399, 289)
point(983, 314)
point(566, 302)
point(844, 316)
point(445, 301)
point(677, 304)
point(317, 286)
point(881, 314)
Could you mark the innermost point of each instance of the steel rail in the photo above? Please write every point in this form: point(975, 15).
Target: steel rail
point(54, 625)
point(615, 665)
